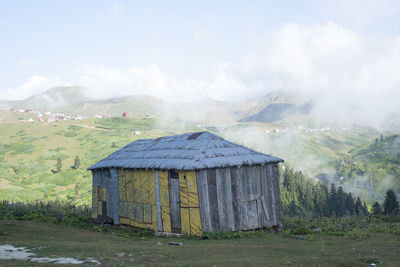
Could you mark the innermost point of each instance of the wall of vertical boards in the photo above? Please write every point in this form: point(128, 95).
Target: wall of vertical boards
point(192, 202)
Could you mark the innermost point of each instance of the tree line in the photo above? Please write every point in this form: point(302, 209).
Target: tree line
point(390, 205)
point(301, 195)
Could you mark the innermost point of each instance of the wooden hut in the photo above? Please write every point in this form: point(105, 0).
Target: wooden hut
point(188, 183)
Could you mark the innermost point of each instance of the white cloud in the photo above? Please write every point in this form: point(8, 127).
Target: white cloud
point(34, 85)
point(104, 82)
point(347, 75)
point(342, 71)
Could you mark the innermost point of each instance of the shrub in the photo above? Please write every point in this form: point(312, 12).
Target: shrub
point(75, 127)
point(70, 134)
point(29, 139)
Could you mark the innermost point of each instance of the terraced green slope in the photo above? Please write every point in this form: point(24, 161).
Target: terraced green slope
point(29, 152)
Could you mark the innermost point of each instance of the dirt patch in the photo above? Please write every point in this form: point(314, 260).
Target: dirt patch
point(9, 252)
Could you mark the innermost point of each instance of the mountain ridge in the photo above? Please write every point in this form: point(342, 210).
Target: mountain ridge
point(72, 99)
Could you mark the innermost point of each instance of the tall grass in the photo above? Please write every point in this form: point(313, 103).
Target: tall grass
point(355, 227)
point(60, 212)
point(65, 213)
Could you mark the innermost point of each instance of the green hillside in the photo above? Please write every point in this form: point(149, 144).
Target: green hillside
point(309, 147)
point(29, 152)
point(374, 168)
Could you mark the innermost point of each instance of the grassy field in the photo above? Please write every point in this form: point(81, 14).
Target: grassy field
point(29, 151)
point(261, 249)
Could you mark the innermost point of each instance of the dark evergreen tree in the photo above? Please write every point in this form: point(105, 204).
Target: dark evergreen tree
point(324, 199)
point(77, 163)
point(300, 184)
point(59, 164)
point(332, 200)
point(76, 190)
point(308, 194)
point(391, 205)
point(376, 208)
point(349, 204)
point(289, 178)
point(300, 195)
point(340, 202)
point(358, 209)
point(365, 209)
point(317, 200)
point(293, 208)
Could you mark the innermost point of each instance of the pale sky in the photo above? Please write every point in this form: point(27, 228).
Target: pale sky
point(336, 51)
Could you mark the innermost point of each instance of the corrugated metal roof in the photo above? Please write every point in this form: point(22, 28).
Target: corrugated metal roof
point(189, 151)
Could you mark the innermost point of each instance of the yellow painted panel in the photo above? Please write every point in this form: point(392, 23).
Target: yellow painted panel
point(185, 220)
point(102, 193)
point(152, 187)
point(164, 190)
point(125, 209)
point(124, 221)
point(141, 187)
point(166, 219)
point(121, 209)
point(195, 221)
point(130, 190)
point(191, 183)
point(121, 184)
point(130, 213)
point(136, 224)
point(147, 214)
point(163, 174)
point(145, 187)
point(137, 186)
point(138, 212)
point(193, 200)
point(99, 208)
point(94, 202)
point(183, 193)
point(142, 225)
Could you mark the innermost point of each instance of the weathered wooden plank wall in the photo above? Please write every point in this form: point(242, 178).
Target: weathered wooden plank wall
point(205, 213)
point(236, 197)
point(137, 200)
point(165, 208)
point(103, 178)
point(277, 195)
point(272, 179)
point(189, 205)
point(239, 198)
point(213, 198)
point(174, 200)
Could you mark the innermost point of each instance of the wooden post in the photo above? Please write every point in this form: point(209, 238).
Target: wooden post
point(158, 201)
